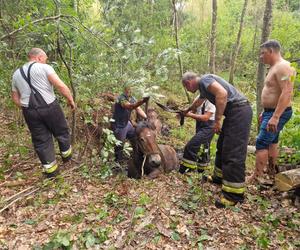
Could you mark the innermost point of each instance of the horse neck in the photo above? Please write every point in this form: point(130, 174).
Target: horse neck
point(138, 154)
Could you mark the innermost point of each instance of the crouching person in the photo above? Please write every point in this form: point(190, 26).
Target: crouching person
point(121, 125)
point(32, 90)
point(196, 154)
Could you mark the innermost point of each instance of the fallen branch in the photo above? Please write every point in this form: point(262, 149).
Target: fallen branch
point(22, 194)
point(17, 194)
point(14, 201)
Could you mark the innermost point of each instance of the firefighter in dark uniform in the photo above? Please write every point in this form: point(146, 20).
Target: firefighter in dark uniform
point(121, 125)
point(196, 154)
point(233, 133)
point(45, 119)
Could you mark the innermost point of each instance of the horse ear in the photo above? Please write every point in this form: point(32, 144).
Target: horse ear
point(152, 126)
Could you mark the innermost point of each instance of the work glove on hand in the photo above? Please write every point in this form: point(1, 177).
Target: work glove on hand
point(146, 99)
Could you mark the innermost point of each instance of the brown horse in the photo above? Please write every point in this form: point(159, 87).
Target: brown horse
point(149, 158)
point(153, 119)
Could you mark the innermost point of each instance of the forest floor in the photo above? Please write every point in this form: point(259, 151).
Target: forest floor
point(81, 210)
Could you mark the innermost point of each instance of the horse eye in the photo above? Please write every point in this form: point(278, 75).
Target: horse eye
point(142, 139)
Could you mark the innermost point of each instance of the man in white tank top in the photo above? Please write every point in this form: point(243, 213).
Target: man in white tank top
point(47, 120)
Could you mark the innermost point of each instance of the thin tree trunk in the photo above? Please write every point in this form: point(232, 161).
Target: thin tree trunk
point(212, 60)
point(75, 6)
point(261, 68)
point(238, 43)
point(177, 46)
point(69, 68)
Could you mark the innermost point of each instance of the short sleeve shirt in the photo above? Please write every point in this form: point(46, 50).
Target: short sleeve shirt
point(233, 95)
point(121, 115)
point(208, 107)
point(39, 79)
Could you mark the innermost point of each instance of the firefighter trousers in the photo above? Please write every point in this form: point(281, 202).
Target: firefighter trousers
point(44, 123)
point(196, 155)
point(232, 151)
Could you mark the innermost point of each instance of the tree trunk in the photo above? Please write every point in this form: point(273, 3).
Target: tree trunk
point(177, 45)
point(68, 66)
point(288, 180)
point(75, 6)
point(212, 60)
point(238, 43)
point(261, 68)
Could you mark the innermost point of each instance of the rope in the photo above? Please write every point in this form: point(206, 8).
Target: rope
point(145, 156)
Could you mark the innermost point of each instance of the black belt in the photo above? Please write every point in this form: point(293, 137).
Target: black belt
point(272, 110)
point(237, 103)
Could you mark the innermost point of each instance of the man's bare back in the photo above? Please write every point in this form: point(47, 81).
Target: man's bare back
point(275, 79)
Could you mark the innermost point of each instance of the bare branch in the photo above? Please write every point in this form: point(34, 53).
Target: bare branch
point(51, 18)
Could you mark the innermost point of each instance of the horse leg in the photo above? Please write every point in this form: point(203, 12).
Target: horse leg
point(133, 171)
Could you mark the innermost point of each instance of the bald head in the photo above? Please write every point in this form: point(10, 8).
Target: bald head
point(37, 54)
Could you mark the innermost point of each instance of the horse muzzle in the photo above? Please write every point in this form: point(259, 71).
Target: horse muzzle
point(154, 160)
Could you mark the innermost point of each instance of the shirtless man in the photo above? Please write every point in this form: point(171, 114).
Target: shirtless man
point(276, 100)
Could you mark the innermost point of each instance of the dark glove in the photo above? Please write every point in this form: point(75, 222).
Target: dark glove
point(146, 99)
point(181, 118)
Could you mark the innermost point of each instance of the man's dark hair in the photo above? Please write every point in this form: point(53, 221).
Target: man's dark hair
point(271, 45)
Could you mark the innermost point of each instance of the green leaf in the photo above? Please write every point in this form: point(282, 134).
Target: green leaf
point(65, 241)
point(204, 237)
point(30, 222)
point(90, 240)
point(144, 199)
point(175, 236)
point(139, 212)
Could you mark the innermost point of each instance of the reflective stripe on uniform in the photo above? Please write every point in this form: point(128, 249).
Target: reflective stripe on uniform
point(51, 167)
point(188, 164)
point(218, 172)
point(67, 153)
point(233, 187)
point(193, 165)
point(234, 184)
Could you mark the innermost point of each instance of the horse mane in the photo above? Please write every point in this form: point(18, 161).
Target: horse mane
point(143, 124)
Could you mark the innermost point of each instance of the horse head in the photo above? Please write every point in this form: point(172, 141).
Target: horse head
point(147, 145)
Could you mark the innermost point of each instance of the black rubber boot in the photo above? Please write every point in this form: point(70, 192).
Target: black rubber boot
point(212, 179)
point(223, 202)
point(66, 159)
point(183, 169)
point(51, 175)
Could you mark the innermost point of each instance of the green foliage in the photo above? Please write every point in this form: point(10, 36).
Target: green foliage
point(196, 195)
point(144, 199)
point(290, 136)
point(107, 150)
point(60, 240)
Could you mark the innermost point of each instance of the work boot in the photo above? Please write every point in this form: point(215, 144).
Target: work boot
point(184, 169)
point(66, 159)
point(212, 179)
point(51, 175)
point(223, 202)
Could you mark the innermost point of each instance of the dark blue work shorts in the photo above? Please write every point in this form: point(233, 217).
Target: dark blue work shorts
point(265, 138)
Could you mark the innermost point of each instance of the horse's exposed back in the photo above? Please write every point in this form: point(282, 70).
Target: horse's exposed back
point(156, 158)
